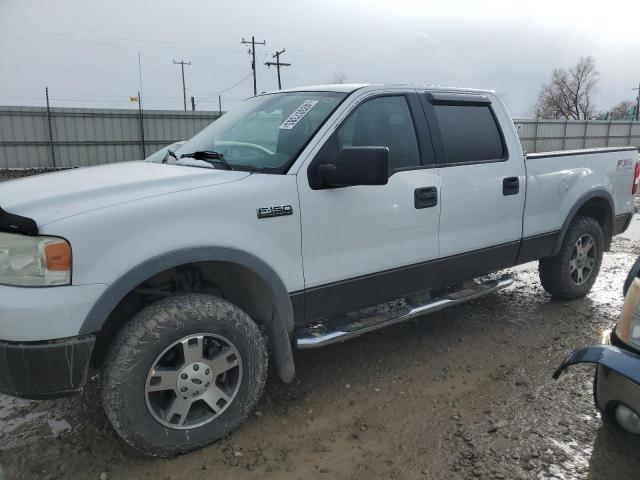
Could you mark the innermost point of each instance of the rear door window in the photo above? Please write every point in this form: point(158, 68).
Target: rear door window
point(470, 133)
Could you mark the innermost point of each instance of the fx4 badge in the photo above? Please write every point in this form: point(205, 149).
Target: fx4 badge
point(277, 211)
point(625, 163)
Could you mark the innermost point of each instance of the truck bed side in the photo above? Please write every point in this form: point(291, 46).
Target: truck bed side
point(560, 183)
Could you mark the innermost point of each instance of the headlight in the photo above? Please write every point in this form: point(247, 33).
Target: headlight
point(34, 261)
point(628, 328)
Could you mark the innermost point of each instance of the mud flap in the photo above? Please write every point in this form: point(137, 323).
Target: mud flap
point(620, 361)
point(281, 348)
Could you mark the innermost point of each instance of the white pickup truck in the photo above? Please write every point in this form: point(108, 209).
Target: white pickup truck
point(182, 279)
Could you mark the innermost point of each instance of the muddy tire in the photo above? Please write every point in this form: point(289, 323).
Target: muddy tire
point(572, 272)
point(182, 373)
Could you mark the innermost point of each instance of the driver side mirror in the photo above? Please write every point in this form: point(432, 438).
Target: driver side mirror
point(357, 166)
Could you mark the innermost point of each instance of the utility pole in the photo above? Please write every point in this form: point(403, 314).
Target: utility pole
point(219, 106)
point(182, 63)
point(278, 64)
point(637, 101)
point(53, 153)
point(193, 104)
point(252, 51)
point(141, 122)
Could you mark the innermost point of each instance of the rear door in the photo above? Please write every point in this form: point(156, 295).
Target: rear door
point(482, 179)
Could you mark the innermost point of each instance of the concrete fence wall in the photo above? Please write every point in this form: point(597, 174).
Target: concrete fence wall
point(70, 137)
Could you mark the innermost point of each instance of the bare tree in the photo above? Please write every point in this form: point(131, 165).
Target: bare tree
point(569, 92)
point(622, 110)
point(339, 77)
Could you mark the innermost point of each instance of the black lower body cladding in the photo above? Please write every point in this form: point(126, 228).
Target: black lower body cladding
point(621, 223)
point(41, 370)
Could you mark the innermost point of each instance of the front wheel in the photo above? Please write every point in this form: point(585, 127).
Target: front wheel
point(572, 272)
point(184, 372)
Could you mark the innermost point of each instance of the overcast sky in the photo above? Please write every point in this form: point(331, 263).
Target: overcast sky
point(87, 51)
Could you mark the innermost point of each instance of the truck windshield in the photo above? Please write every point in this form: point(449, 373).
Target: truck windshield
point(266, 132)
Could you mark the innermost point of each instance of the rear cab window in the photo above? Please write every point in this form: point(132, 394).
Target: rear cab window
point(469, 129)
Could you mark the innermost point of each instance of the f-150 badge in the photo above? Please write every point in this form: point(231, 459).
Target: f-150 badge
point(276, 211)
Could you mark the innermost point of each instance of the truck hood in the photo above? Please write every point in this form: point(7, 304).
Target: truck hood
point(53, 196)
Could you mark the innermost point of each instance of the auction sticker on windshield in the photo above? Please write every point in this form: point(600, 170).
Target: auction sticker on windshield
point(297, 115)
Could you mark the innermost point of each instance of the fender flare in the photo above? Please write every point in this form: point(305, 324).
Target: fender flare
point(590, 195)
point(614, 358)
point(278, 327)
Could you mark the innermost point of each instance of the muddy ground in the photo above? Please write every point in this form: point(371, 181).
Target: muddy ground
point(464, 393)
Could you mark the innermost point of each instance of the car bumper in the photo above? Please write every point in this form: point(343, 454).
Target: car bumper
point(45, 313)
point(42, 370)
point(618, 377)
point(621, 223)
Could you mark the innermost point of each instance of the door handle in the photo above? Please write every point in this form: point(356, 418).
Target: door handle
point(425, 197)
point(511, 186)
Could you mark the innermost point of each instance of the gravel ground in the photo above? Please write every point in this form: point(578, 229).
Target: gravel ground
point(463, 393)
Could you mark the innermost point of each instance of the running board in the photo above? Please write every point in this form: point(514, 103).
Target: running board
point(433, 305)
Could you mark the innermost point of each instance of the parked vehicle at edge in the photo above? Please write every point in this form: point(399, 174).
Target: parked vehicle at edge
point(281, 221)
point(633, 273)
point(616, 386)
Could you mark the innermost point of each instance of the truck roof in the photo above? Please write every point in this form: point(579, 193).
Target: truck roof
point(351, 87)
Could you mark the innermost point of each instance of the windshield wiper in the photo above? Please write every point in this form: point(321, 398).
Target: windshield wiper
point(208, 156)
point(170, 153)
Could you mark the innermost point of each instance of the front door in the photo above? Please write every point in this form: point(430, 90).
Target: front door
point(358, 242)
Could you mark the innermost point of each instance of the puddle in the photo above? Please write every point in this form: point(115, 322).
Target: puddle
point(58, 426)
point(23, 422)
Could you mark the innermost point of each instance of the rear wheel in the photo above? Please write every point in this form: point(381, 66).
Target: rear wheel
point(572, 272)
point(182, 373)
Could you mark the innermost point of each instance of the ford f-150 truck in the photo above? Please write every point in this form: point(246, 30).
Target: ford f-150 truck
point(274, 229)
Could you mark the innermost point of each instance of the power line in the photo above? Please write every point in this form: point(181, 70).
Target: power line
point(252, 52)
point(182, 63)
point(278, 64)
point(244, 79)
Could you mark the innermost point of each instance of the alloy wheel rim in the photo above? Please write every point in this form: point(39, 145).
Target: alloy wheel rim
point(193, 381)
point(583, 259)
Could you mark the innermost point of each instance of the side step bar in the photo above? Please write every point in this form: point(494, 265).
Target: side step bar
point(433, 305)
